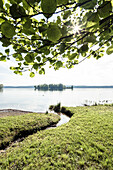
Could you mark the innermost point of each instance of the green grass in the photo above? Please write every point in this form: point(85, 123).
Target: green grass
point(85, 142)
point(14, 127)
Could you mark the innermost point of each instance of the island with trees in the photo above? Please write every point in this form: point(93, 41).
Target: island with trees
point(52, 87)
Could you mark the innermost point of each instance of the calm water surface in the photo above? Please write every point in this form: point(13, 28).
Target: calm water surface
point(39, 101)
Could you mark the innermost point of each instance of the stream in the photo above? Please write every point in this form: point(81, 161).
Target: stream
point(64, 119)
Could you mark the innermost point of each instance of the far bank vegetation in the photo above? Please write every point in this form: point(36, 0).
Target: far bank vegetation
point(52, 87)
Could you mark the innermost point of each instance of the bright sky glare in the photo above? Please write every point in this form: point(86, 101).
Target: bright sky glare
point(89, 72)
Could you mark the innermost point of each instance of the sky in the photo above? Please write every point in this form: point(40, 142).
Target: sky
point(89, 72)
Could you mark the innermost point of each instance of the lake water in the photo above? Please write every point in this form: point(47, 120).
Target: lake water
point(30, 100)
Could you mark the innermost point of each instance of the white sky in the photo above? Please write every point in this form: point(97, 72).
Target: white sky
point(89, 72)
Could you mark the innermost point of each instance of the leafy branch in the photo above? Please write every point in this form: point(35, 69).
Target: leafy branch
point(96, 50)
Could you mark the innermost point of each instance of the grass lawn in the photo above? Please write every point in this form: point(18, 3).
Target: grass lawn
point(85, 142)
point(14, 127)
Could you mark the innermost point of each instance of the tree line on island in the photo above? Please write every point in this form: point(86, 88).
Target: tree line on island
point(52, 87)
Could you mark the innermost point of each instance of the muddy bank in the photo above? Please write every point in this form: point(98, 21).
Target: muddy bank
point(12, 112)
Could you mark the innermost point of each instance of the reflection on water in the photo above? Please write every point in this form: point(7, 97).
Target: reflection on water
point(1, 90)
point(39, 101)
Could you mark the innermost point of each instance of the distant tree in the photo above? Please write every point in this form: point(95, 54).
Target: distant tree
point(57, 32)
point(60, 86)
point(51, 86)
point(42, 87)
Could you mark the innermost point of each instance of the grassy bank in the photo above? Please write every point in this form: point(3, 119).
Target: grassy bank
point(85, 142)
point(14, 127)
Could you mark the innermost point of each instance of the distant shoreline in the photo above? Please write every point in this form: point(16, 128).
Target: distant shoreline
point(92, 86)
point(66, 86)
point(18, 87)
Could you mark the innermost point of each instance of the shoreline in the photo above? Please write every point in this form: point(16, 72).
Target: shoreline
point(15, 112)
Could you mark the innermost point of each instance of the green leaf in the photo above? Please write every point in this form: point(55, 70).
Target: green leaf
point(29, 58)
point(58, 64)
point(42, 28)
point(18, 1)
point(29, 31)
point(64, 30)
point(62, 2)
point(58, 20)
point(12, 1)
point(42, 71)
point(3, 58)
point(32, 74)
point(105, 9)
point(72, 56)
point(35, 37)
point(66, 14)
point(27, 24)
point(46, 51)
point(54, 33)
point(84, 48)
point(38, 58)
point(112, 3)
point(90, 16)
point(19, 57)
point(8, 29)
point(35, 66)
point(6, 42)
point(88, 5)
point(62, 48)
point(68, 23)
point(26, 5)
point(92, 25)
point(90, 39)
point(12, 68)
point(68, 39)
point(17, 11)
point(1, 3)
point(21, 50)
point(2, 19)
point(7, 51)
point(48, 7)
point(109, 50)
point(32, 2)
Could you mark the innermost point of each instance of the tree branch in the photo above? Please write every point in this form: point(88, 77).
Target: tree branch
point(95, 50)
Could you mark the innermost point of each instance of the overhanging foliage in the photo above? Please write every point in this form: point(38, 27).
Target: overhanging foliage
point(54, 31)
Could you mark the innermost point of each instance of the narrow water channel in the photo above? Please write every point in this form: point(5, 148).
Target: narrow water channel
point(64, 119)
